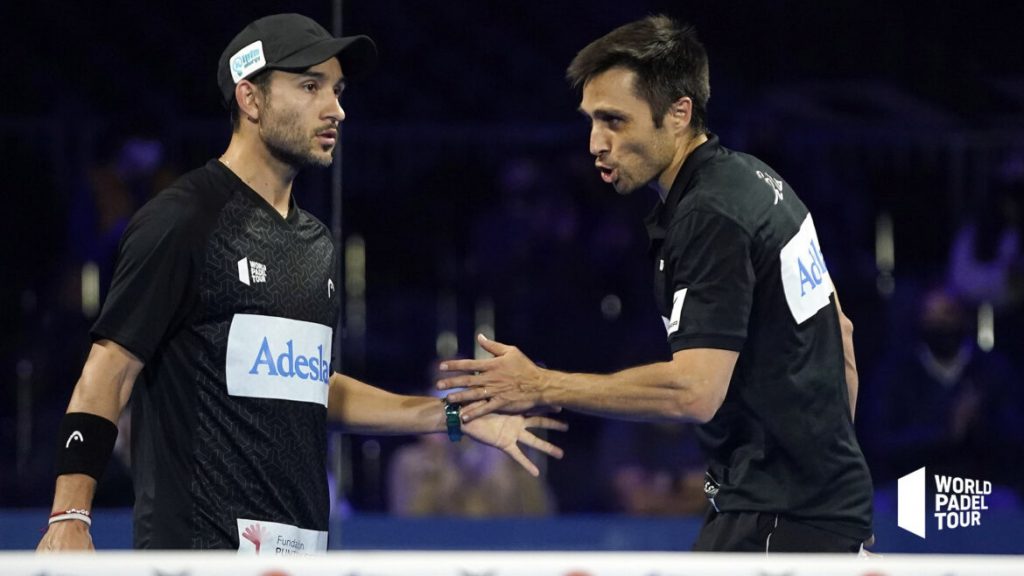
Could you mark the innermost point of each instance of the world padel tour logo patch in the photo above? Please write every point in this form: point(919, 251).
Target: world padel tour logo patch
point(957, 503)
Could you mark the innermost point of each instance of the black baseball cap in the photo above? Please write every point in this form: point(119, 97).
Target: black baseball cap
point(289, 42)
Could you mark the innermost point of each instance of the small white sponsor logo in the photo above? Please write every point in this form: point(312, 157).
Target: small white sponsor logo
point(279, 358)
point(774, 183)
point(76, 435)
point(247, 60)
point(958, 502)
point(262, 538)
point(251, 272)
point(330, 288)
point(677, 310)
point(805, 278)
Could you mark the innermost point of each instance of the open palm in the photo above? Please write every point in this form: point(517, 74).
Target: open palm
point(506, 432)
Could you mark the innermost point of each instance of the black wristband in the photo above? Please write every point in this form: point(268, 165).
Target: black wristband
point(84, 444)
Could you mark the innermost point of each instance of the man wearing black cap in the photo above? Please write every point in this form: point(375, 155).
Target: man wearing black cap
point(219, 326)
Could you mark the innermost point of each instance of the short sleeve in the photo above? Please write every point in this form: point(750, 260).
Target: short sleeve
point(712, 282)
point(152, 278)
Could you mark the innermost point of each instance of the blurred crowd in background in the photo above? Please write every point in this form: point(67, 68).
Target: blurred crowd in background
point(471, 203)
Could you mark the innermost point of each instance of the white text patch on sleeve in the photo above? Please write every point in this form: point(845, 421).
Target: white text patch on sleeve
point(677, 310)
point(805, 277)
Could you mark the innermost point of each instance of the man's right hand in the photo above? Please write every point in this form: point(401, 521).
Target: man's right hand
point(69, 535)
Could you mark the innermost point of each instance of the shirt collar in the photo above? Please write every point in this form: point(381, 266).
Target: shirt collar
point(655, 221)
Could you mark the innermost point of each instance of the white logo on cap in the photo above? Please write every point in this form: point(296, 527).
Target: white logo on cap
point(247, 60)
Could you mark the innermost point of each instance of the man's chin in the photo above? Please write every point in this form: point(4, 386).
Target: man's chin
point(322, 160)
point(623, 188)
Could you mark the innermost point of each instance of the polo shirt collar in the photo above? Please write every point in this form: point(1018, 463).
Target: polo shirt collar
point(655, 221)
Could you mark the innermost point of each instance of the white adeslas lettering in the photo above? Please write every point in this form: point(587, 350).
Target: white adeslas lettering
point(805, 278)
point(279, 358)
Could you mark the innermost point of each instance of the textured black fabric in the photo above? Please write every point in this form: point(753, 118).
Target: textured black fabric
point(194, 260)
point(738, 267)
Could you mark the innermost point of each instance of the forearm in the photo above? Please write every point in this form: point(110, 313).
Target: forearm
point(103, 389)
point(73, 491)
point(365, 409)
point(106, 382)
point(690, 387)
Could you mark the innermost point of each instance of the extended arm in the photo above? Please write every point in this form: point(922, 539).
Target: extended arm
point(103, 389)
point(691, 386)
point(365, 409)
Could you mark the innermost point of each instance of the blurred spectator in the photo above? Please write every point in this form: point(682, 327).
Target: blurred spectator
point(655, 469)
point(986, 253)
point(436, 477)
point(943, 403)
point(124, 177)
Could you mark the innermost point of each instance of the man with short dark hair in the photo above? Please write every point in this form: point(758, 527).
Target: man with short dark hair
point(219, 326)
point(762, 355)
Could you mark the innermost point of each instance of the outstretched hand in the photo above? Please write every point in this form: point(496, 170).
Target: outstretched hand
point(509, 383)
point(506, 432)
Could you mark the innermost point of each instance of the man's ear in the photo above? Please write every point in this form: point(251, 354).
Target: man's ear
point(680, 114)
point(249, 100)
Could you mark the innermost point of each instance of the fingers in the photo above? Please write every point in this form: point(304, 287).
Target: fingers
point(464, 365)
point(545, 423)
point(537, 411)
point(540, 444)
point(468, 396)
point(492, 346)
point(523, 461)
point(468, 381)
point(474, 411)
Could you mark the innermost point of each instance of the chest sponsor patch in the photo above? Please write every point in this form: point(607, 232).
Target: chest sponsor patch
point(279, 358)
point(805, 278)
point(261, 538)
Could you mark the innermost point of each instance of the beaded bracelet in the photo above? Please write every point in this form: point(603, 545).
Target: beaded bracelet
point(71, 514)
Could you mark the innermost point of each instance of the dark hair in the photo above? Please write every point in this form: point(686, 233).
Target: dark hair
point(262, 81)
point(668, 59)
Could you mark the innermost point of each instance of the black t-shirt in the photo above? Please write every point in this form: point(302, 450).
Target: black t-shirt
point(738, 267)
point(231, 307)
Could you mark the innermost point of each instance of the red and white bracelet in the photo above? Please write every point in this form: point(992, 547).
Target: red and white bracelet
point(71, 514)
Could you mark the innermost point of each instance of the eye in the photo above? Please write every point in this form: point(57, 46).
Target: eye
point(309, 86)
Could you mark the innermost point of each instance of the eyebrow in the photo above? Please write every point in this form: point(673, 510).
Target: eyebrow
point(604, 113)
point(321, 77)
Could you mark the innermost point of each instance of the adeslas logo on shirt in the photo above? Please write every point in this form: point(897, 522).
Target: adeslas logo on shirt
point(279, 358)
point(805, 278)
point(287, 364)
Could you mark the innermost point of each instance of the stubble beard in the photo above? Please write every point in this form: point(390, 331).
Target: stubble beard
point(286, 141)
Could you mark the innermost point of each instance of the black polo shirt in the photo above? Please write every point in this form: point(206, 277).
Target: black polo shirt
point(231, 307)
point(738, 267)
